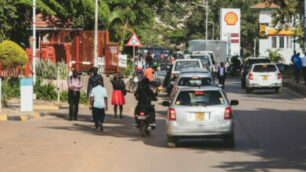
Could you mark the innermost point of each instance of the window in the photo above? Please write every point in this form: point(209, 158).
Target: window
point(264, 68)
point(199, 98)
point(289, 42)
point(281, 42)
point(180, 65)
point(274, 42)
point(195, 81)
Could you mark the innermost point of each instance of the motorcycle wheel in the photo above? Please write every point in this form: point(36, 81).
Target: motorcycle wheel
point(133, 87)
point(143, 130)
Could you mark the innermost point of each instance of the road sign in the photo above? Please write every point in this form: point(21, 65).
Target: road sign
point(134, 41)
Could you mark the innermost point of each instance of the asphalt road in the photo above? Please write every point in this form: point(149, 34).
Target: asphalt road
point(269, 134)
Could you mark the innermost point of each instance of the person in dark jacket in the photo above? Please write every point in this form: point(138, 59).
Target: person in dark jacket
point(221, 74)
point(144, 95)
point(118, 95)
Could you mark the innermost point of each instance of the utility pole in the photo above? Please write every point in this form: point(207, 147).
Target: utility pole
point(206, 21)
point(34, 43)
point(96, 36)
point(304, 26)
point(255, 47)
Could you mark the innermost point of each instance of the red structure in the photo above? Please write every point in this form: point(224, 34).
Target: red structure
point(76, 48)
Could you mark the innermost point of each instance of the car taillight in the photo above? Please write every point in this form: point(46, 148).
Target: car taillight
point(228, 113)
point(172, 115)
point(175, 88)
point(279, 76)
point(251, 76)
point(142, 114)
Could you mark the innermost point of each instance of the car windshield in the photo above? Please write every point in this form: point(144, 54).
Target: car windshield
point(254, 61)
point(194, 81)
point(199, 98)
point(204, 59)
point(264, 68)
point(180, 65)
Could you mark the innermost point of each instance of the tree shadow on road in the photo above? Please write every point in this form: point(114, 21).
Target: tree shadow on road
point(275, 137)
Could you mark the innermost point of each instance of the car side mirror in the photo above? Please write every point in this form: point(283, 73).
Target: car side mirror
point(166, 103)
point(234, 102)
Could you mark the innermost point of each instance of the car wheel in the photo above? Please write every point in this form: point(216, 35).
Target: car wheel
point(248, 90)
point(171, 142)
point(278, 90)
point(229, 140)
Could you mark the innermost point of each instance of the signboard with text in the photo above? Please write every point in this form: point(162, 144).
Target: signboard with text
point(230, 28)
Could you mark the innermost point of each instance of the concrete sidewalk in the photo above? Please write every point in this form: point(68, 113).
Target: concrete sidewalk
point(299, 88)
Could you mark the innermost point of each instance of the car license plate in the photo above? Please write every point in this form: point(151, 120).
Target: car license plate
point(265, 77)
point(200, 116)
point(141, 117)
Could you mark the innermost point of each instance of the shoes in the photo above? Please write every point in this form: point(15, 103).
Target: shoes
point(97, 129)
point(121, 117)
point(115, 116)
point(70, 119)
point(101, 128)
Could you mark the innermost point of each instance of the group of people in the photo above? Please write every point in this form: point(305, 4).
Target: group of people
point(299, 64)
point(97, 95)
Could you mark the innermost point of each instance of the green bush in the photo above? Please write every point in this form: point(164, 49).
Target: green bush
point(10, 89)
point(45, 69)
point(45, 91)
point(12, 55)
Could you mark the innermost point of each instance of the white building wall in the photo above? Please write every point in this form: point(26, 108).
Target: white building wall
point(265, 17)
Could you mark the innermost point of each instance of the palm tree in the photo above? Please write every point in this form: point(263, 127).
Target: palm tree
point(274, 56)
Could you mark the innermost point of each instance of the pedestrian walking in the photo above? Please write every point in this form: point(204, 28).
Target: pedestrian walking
point(93, 81)
point(221, 74)
point(140, 64)
point(75, 84)
point(118, 94)
point(296, 61)
point(98, 104)
point(303, 61)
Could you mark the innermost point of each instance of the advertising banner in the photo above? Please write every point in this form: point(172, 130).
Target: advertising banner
point(230, 29)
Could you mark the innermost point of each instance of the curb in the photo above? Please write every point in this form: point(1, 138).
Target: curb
point(21, 117)
point(46, 107)
point(297, 89)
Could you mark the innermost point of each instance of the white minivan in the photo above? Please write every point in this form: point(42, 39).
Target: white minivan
point(264, 75)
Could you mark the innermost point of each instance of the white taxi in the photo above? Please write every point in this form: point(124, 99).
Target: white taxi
point(264, 76)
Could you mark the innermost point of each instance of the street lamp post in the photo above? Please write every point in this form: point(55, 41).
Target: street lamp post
point(34, 42)
point(96, 35)
point(206, 19)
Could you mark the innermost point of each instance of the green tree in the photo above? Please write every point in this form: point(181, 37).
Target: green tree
point(275, 56)
point(12, 55)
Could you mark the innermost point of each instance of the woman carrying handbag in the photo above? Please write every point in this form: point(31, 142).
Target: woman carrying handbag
point(118, 93)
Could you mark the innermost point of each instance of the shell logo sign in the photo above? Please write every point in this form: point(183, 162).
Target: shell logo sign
point(231, 18)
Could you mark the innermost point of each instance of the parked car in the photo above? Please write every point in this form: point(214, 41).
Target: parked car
point(193, 78)
point(180, 65)
point(264, 75)
point(247, 64)
point(200, 112)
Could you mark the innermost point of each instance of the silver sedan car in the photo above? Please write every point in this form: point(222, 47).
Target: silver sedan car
point(200, 112)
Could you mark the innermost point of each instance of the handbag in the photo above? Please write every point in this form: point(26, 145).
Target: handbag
point(123, 88)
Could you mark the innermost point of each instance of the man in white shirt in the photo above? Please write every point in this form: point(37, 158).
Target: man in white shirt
point(221, 74)
point(98, 104)
point(303, 61)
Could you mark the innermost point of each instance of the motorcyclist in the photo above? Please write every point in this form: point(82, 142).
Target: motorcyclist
point(144, 95)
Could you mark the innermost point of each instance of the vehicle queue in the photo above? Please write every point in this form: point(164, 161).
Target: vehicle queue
point(200, 108)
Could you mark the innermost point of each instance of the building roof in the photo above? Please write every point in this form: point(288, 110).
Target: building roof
point(51, 22)
point(264, 5)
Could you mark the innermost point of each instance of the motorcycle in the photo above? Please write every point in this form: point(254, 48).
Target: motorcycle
point(143, 121)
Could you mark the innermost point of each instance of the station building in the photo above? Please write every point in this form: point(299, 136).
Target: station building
point(272, 38)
